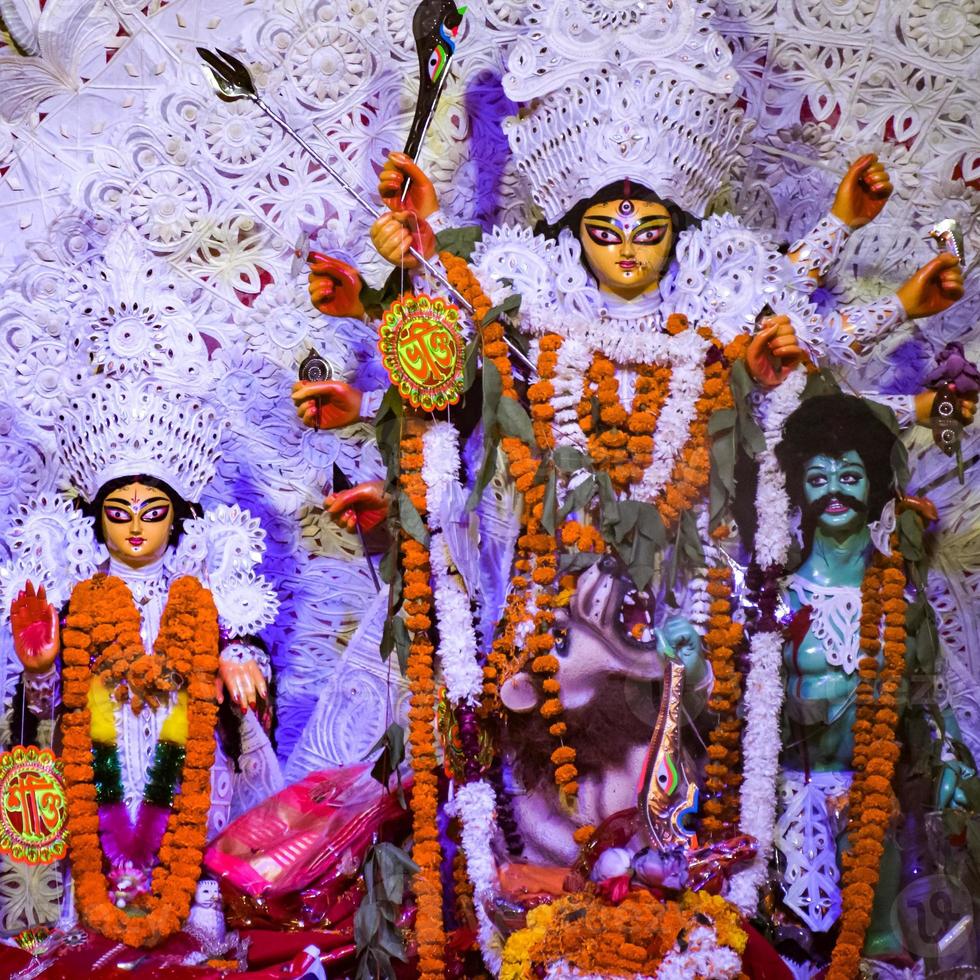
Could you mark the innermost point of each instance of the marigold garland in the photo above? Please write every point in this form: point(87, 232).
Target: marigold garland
point(692, 469)
point(620, 442)
point(98, 630)
point(628, 939)
point(426, 850)
point(876, 751)
point(536, 559)
point(724, 635)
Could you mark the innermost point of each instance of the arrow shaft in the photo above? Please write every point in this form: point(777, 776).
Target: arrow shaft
point(375, 213)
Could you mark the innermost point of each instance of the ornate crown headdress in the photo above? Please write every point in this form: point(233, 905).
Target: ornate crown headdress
point(614, 89)
point(118, 427)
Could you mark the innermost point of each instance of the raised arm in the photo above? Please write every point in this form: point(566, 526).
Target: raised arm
point(861, 195)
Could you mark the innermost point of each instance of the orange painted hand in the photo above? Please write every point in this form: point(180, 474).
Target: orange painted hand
point(364, 506)
point(421, 197)
point(934, 288)
point(394, 233)
point(923, 408)
point(773, 352)
point(922, 506)
point(37, 634)
point(863, 192)
point(335, 402)
point(243, 682)
point(335, 286)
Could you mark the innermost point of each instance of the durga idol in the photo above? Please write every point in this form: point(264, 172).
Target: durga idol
point(151, 669)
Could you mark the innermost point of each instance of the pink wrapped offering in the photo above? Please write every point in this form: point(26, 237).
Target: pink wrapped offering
point(293, 857)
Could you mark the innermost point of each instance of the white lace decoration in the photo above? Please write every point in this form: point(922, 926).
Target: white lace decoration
point(585, 87)
point(902, 405)
point(883, 528)
point(42, 692)
point(835, 621)
point(806, 836)
point(867, 325)
point(818, 251)
point(223, 548)
point(725, 274)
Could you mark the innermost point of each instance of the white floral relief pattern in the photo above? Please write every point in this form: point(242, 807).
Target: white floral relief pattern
point(107, 121)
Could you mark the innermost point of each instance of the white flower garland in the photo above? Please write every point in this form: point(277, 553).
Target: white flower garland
point(440, 467)
point(764, 685)
point(458, 651)
point(680, 407)
point(702, 956)
point(475, 804)
point(760, 753)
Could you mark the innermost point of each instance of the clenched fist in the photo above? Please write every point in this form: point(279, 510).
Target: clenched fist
point(934, 288)
point(326, 404)
point(394, 233)
point(863, 192)
point(773, 352)
point(421, 197)
point(335, 286)
point(364, 506)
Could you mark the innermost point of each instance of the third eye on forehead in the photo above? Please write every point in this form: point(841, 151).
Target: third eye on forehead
point(135, 505)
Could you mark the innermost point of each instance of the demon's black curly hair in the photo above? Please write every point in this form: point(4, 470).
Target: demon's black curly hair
point(831, 425)
point(680, 219)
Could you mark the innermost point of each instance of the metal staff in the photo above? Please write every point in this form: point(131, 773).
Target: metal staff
point(231, 81)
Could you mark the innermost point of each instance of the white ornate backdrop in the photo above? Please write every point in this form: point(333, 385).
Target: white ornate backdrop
point(140, 214)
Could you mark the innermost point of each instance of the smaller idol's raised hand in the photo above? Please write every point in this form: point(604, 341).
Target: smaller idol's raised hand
point(326, 404)
point(364, 506)
point(863, 192)
point(335, 286)
point(243, 681)
point(394, 233)
point(934, 288)
point(773, 352)
point(34, 622)
point(421, 197)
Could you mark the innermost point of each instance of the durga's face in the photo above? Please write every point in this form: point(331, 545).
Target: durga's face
point(136, 524)
point(626, 244)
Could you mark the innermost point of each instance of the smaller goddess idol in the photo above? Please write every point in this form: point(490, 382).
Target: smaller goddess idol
point(150, 663)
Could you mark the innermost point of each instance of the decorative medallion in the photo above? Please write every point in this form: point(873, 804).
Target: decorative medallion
point(422, 350)
point(33, 807)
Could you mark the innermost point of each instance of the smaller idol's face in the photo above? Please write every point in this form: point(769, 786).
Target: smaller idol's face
point(838, 488)
point(626, 244)
point(136, 524)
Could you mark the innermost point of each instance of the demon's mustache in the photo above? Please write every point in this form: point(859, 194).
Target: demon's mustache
point(818, 506)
